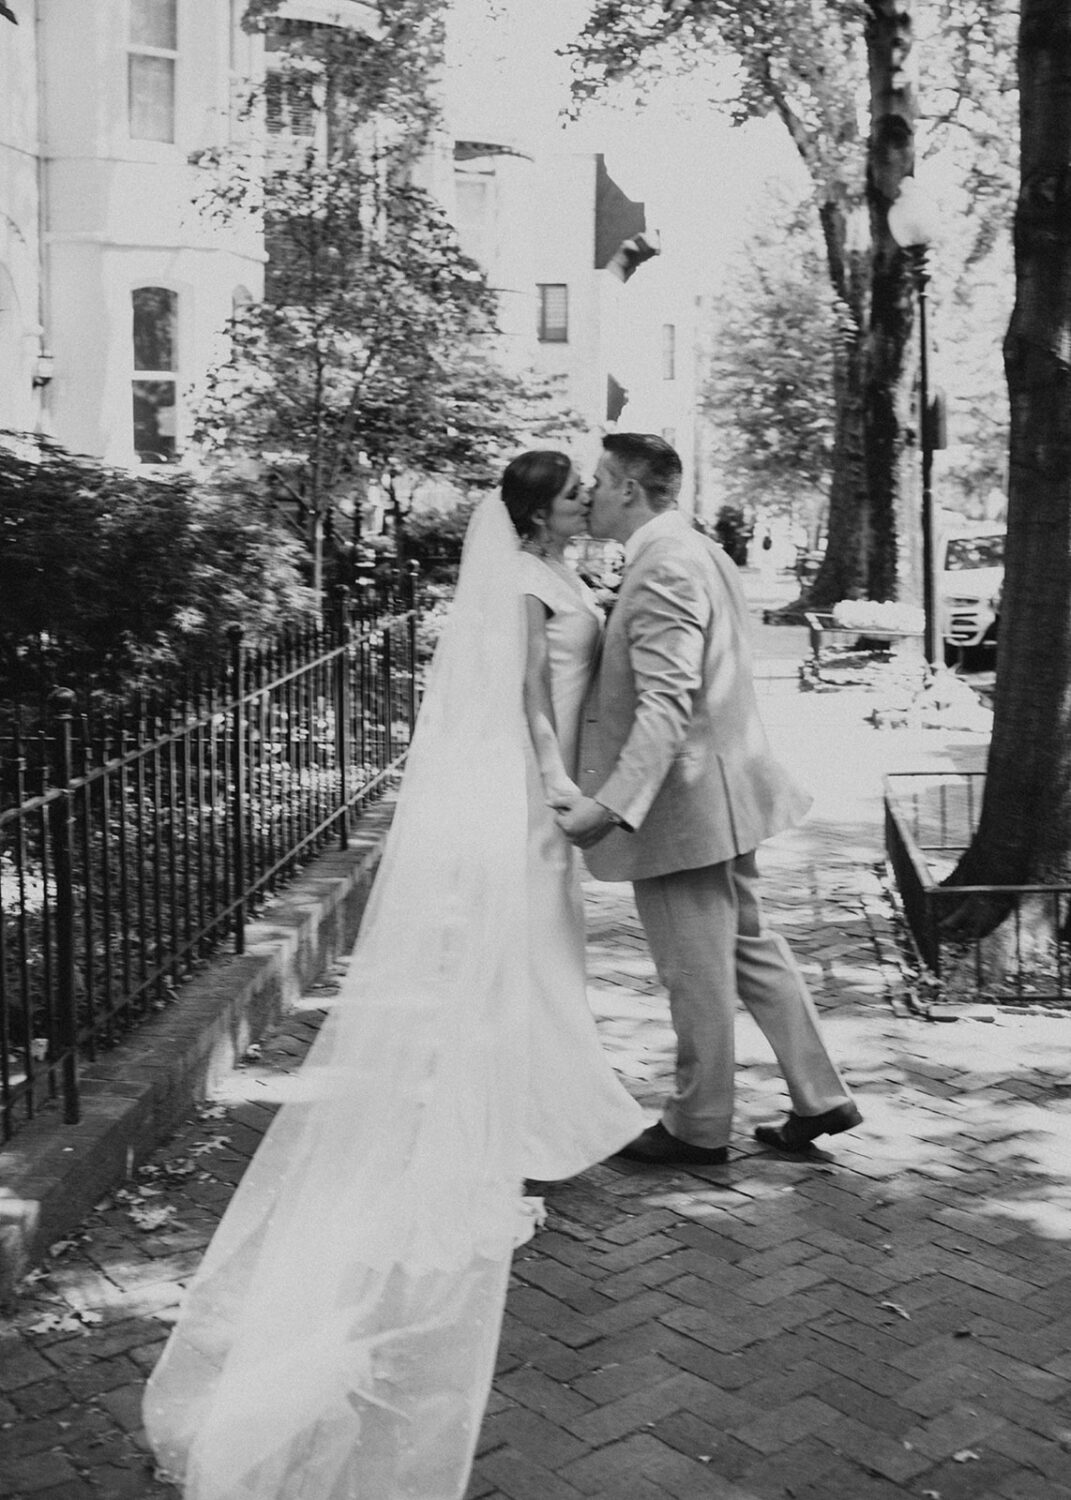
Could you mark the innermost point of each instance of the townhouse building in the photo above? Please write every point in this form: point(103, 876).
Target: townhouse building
point(114, 288)
point(586, 290)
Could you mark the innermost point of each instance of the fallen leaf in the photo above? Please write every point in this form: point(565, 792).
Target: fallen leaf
point(148, 1219)
point(896, 1308)
point(215, 1143)
point(56, 1323)
point(179, 1166)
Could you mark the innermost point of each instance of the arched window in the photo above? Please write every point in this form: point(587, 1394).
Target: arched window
point(155, 311)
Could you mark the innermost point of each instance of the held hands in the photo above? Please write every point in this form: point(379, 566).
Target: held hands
point(562, 794)
point(585, 822)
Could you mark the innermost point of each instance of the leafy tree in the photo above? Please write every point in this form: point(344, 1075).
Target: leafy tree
point(839, 75)
point(768, 392)
point(1024, 832)
point(372, 355)
point(110, 575)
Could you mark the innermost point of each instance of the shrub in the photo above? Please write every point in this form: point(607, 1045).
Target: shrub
point(123, 578)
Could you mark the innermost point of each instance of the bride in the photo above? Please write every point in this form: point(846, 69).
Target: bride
point(338, 1341)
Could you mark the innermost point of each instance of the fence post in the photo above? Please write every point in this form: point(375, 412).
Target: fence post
point(342, 713)
point(386, 679)
point(238, 778)
point(61, 821)
point(414, 572)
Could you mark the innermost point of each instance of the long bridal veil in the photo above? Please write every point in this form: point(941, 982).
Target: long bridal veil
point(338, 1342)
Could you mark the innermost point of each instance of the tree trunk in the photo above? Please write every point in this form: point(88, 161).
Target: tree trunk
point(873, 530)
point(1024, 833)
point(890, 367)
point(845, 567)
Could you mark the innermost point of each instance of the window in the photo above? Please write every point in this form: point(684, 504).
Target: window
point(553, 312)
point(151, 70)
point(290, 104)
point(293, 88)
point(155, 310)
point(475, 200)
point(669, 351)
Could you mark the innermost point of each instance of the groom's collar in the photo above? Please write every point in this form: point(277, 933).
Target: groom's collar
point(665, 520)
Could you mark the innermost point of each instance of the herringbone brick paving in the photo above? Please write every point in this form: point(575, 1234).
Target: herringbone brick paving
point(890, 1318)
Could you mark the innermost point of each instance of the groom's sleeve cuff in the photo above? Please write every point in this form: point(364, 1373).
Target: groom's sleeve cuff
point(615, 818)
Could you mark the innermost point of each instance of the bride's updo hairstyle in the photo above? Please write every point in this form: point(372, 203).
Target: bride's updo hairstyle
point(530, 485)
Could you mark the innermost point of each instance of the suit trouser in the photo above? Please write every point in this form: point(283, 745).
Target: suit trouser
point(711, 946)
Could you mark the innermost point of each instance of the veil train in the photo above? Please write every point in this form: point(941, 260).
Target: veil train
point(338, 1341)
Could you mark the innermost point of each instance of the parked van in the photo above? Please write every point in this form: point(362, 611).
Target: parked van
point(970, 576)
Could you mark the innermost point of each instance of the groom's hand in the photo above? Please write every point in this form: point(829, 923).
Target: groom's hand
point(585, 823)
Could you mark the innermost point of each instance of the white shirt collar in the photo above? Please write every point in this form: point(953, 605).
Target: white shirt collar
point(665, 520)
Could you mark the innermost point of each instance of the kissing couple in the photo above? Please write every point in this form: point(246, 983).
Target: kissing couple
point(339, 1338)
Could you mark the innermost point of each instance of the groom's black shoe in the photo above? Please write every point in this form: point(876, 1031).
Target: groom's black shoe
point(658, 1148)
point(794, 1137)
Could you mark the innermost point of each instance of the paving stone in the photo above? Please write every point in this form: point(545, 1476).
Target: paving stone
point(970, 1477)
point(21, 1366)
point(529, 1433)
point(888, 1457)
point(34, 1473)
point(537, 1391)
point(786, 1424)
point(787, 1470)
point(1020, 1486)
point(518, 1477)
point(75, 1489)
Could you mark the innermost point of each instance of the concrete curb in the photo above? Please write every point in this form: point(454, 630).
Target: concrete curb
point(132, 1099)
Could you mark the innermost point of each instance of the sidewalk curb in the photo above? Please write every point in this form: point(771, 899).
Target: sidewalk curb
point(132, 1099)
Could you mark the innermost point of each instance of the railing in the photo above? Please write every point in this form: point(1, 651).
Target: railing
point(133, 844)
point(930, 819)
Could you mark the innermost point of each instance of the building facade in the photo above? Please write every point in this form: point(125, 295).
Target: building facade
point(562, 243)
point(115, 289)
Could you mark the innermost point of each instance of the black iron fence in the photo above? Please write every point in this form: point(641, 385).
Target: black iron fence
point(930, 819)
point(135, 841)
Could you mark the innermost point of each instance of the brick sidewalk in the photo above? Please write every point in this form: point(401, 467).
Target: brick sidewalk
point(893, 1318)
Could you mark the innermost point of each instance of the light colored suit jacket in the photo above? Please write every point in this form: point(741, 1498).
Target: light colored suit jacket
point(673, 743)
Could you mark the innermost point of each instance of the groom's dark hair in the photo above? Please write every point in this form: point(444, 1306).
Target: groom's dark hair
point(651, 462)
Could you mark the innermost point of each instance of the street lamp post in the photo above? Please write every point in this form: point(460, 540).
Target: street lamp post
point(912, 224)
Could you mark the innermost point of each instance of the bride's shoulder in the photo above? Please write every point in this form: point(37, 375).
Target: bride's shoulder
point(537, 579)
point(531, 562)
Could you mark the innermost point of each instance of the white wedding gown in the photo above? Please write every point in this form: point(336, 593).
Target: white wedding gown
point(578, 1111)
point(338, 1341)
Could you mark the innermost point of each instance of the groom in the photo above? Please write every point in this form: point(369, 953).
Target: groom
point(680, 788)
